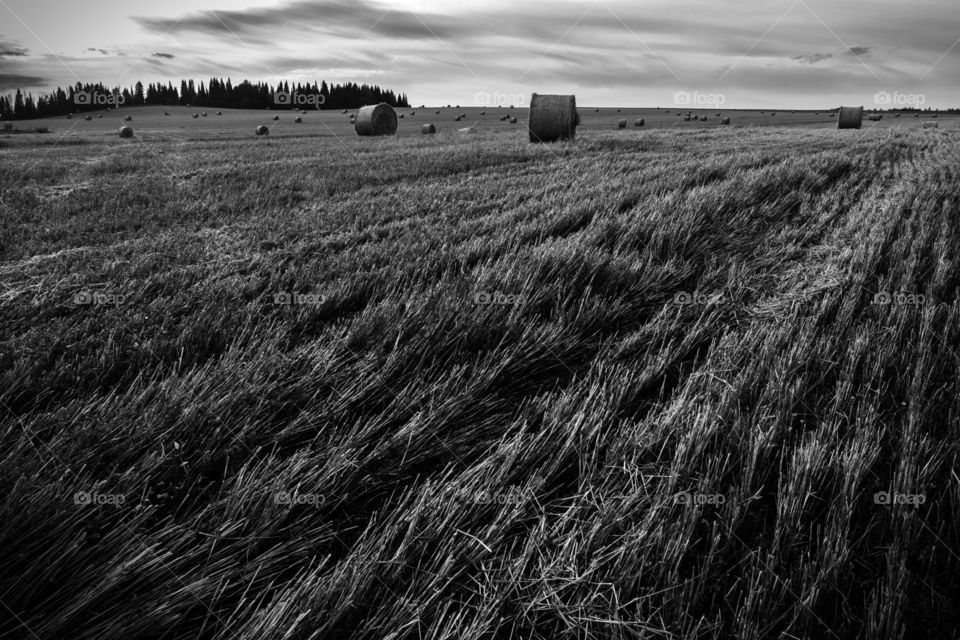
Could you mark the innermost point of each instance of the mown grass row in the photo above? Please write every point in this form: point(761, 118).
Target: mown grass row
point(685, 320)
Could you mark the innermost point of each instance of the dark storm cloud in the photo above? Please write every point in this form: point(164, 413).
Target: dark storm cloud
point(13, 81)
point(163, 55)
point(859, 51)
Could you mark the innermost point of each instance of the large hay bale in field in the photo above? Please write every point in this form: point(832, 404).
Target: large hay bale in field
point(850, 118)
point(428, 128)
point(261, 130)
point(298, 119)
point(622, 123)
point(128, 118)
point(639, 122)
point(126, 132)
point(553, 118)
point(724, 120)
point(376, 120)
point(931, 125)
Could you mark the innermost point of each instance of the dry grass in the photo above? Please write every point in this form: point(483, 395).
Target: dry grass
point(508, 368)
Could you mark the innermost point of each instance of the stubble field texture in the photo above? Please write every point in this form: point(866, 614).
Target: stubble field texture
point(672, 382)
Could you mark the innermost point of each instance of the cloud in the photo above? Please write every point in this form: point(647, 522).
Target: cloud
point(10, 50)
point(163, 55)
point(102, 52)
point(858, 51)
point(813, 58)
point(13, 81)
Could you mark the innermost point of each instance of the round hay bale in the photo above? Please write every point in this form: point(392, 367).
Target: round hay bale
point(703, 118)
point(400, 116)
point(88, 118)
point(850, 118)
point(719, 114)
point(896, 115)
point(166, 113)
point(99, 115)
point(622, 123)
point(457, 119)
point(428, 128)
point(261, 130)
point(483, 113)
point(724, 120)
point(686, 118)
point(188, 105)
point(298, 119)
point(934, 116)
point(773, 113)
point(931, 125)
point(344, 110)
point(219, 113)
point(276, 118)
point(69, 117)
point(619, 110)
point(916, 115)
point(553, 117)
point(596, 110)
point(437, 112)
point(128, 118)
point(376, 120)
point(513, 120)
point(196, 115)
point(413, 113)
point(876, 117)
point(204, 114)
point(126, 132)
point(639, 122)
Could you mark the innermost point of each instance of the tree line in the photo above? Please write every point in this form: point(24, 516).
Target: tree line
point(217, 93)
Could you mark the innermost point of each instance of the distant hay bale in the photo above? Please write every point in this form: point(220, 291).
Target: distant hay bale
point(703, 118)
point(876, 117)
point(619, 110)
point(88, 118)
point(276, 118)
point(428, 128)
point(850, 118)
point(219, 113)
point(773, 113)
point(196, 115)
point(553, 118)
point(298, 119)
point(513, 120)
point(724, 120)
point(99, 115)
point(596, 110)
point(719, 114)
point(686, 118)
point(437, 112)
point(896, 115)
point(622, 123)
point(483, 113)
point(934, 116)
point(204, 114)
point(128, 118)
point(639, 122)
point(931, 125)
point(376, 120)
point(400, 116)
point(344, 110)
point(413, 113)
point(457, 119)
point(166, 113)
point(126, 132)
point(916, 115)
point(261, 130)
point(8, 126)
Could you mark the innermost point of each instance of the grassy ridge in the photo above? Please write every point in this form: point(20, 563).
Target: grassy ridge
point(692, 314)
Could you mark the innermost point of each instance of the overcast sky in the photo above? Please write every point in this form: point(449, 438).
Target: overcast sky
point(741, 53)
